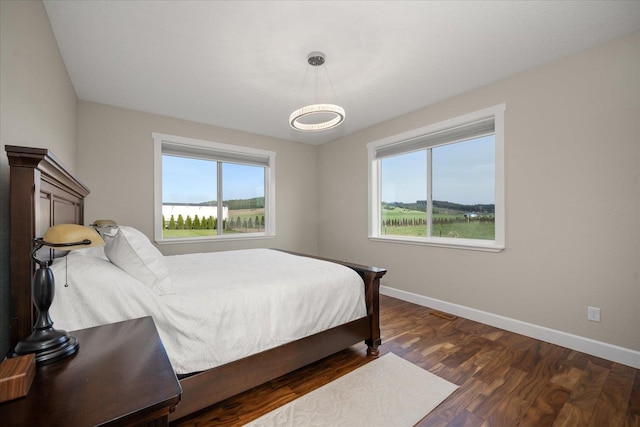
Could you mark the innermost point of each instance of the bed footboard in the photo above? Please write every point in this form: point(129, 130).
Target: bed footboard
point(372, 289)
point(371, 277)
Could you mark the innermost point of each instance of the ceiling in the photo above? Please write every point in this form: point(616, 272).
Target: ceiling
point(243, 64)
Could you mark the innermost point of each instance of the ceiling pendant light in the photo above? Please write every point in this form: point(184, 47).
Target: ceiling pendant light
point(317, 117)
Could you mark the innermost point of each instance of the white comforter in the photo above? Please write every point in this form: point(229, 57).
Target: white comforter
point(226, 305)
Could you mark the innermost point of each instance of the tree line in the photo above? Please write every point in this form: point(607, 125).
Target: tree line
point(409, 222)
point(421, 206)
point(211, 223)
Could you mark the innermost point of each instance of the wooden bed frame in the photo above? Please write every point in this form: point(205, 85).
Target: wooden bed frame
point(43, 193)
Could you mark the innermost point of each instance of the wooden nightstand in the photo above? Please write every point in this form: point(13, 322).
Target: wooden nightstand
point(120, 375)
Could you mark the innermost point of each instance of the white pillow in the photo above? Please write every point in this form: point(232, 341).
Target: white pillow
point(134, 253)
point(92, 252)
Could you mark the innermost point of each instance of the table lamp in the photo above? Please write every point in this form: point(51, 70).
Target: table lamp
point(49, 344)
point(105, 227)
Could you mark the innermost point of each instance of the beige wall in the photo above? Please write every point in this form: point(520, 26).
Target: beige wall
point(38, 100)
point(115, 160)
point(37, 109)
point(572, 200)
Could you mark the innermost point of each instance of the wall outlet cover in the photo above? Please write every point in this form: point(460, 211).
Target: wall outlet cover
point(593, 314)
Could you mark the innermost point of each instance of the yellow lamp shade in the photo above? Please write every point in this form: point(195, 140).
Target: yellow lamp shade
point(71, 236)
point(99, 223)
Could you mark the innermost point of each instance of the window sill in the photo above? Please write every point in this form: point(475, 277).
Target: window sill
point(443, 242)
point(223, 238)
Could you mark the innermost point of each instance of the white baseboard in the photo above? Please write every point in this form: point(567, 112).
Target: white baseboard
point(611, 352)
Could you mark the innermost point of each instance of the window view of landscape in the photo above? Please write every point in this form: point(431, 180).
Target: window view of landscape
point(243, 190)
point(462, 180)
point(189, 198)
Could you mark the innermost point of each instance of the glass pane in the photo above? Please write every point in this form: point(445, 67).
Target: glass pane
point(464, 189)
point(243, 190)
point(404, 195)
point(188, 197)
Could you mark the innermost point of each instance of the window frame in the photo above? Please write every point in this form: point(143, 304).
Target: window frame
point(397, 141)
point(223, 153)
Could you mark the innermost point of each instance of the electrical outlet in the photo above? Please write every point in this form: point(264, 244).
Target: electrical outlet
point(593, 314)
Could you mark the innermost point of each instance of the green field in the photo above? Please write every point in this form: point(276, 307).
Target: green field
point(172, 234)
point(406, 222)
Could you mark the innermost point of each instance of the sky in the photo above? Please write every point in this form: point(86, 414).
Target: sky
point(462, 173)
point(187, 180)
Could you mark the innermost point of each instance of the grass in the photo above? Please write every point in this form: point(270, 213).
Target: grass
point(472, 230)
point(459, 227)
point(172, 234)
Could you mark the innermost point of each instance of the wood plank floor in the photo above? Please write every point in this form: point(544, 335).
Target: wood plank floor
point(504, 379)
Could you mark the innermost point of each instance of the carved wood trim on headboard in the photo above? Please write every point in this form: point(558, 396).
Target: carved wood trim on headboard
point(42, 193)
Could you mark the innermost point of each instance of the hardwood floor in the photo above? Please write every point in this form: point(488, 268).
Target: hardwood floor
point(504, 379)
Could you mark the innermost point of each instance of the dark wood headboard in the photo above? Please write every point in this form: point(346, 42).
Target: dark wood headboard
point(42, 193)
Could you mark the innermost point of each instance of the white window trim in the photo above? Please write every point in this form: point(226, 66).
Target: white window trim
point(375, 186)
point(270, 189)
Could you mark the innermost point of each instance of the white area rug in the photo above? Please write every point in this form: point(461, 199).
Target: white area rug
point(388, 392)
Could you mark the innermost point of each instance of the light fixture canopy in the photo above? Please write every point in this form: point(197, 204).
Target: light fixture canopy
point(335, 113)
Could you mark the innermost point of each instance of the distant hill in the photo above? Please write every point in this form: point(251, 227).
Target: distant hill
point(254, 203)
point(445, 207)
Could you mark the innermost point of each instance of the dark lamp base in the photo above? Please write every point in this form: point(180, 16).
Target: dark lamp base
point(49, 345)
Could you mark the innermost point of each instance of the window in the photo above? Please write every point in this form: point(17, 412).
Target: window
point(207, 190)
point(441, 185)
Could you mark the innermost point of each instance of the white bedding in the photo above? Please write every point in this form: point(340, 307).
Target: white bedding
point(223, 305)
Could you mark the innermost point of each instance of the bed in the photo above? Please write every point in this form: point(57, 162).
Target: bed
point(44, 193)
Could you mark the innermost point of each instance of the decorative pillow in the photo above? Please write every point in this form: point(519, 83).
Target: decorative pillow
point(134, 253)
